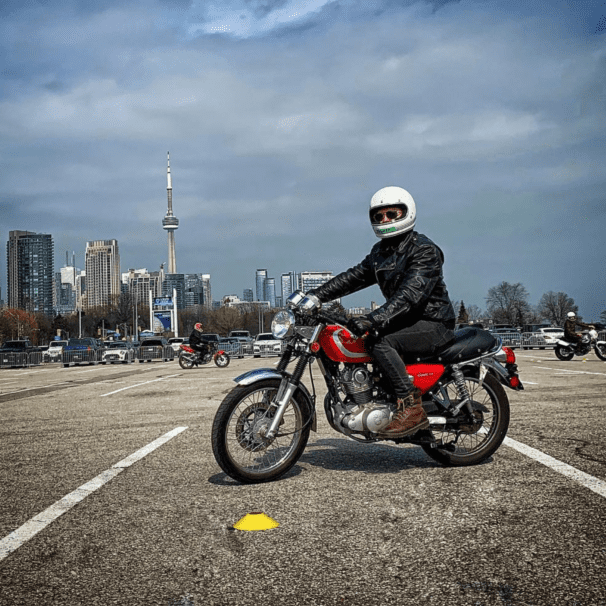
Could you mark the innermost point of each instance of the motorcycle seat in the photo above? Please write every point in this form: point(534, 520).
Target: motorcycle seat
point(469, 343)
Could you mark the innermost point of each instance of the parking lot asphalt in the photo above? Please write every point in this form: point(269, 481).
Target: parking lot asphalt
point(358, 524)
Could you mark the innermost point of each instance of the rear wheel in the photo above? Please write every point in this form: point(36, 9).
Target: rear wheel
point(186, 361)
point(469, 443)
point(600, 351)
point(564, 353)
point(238, 433)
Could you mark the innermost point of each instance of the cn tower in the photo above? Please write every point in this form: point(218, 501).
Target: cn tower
point(170, 223)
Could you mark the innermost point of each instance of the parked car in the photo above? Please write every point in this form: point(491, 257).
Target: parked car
point(266, 345)
point(119, 351)
point(242, 335)
point(84, 350)
point(552, 335)
point(175, 342)
point(244, 338)
point(156, 348)
point(509, 336)
point(19, 352)
point(54, 351)
point(231, 346)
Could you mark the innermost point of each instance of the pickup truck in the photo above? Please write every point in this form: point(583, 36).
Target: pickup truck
point(244, 338)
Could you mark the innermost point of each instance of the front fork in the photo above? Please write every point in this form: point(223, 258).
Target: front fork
point(289, 385)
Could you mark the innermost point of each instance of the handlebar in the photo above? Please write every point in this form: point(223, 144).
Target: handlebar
point(332, 318)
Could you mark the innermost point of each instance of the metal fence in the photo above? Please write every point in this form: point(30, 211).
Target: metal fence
point(20, 359)
point(531, 340)
point(81, 356)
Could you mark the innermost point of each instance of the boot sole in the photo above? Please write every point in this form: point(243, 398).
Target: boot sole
point(406, 432)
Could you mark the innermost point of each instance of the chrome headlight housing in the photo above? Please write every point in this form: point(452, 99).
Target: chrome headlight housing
point(283, 324)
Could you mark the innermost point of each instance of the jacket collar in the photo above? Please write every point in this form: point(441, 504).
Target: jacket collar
point(399, 243)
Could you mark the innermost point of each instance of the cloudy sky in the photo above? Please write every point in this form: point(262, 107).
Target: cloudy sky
point(283, 117)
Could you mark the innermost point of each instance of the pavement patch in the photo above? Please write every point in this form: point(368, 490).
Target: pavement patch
point(24, 533)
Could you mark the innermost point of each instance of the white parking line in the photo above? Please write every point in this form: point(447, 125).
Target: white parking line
point(598, 486)
point(24, 533)
point(139, 384)
point(580, 372)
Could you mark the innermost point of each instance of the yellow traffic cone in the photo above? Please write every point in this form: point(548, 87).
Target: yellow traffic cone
point(255, 521)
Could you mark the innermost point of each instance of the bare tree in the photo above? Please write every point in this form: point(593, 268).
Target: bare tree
point(508, 304)
point(474, 313)
point(554, 306)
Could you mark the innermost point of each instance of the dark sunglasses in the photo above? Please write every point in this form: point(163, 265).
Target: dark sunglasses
point(391, 214)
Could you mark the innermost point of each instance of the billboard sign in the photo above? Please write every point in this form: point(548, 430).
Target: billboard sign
point(163, 302)
point(162, 321)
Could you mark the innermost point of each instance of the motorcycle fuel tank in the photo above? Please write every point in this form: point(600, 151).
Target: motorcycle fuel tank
point(341, 346)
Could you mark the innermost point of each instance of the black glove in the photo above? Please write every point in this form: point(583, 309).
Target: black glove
point(360, 325)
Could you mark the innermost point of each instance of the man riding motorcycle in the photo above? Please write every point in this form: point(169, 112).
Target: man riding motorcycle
point(417, 318)
point(570, 325)
point(197, 341)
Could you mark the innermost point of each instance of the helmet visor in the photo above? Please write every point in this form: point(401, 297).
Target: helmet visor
point(388, 214)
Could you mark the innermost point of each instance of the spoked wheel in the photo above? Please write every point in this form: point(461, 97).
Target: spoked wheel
point(475, 439)
point(222, 360)
point(186, 361)
point(239, 440)
point(564, 353)
point(600, 351)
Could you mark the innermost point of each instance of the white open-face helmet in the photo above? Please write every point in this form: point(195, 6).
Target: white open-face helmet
point(571, 314)
point(392, 212)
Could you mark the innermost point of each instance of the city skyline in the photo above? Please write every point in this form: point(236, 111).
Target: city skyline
point(284, 123)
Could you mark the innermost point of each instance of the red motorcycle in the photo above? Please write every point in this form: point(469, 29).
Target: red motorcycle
point(262, 426)
point(188, 357)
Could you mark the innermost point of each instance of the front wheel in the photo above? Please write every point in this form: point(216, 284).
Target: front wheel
point(186, 361)
point(222, 360)
point(471, 442)
point(600, 351)
point(564, 353)
point(238, 433)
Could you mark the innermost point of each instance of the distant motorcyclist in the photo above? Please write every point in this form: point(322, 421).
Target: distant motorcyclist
point(417, 318)
point(198, 341)
point(570, 325)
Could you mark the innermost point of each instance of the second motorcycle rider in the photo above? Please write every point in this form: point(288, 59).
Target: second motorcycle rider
point(417, 318)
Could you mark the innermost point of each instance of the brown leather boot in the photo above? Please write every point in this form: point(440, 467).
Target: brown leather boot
point(409, 418)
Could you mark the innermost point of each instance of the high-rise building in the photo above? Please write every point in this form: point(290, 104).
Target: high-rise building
point(197, 290)
point(30, 261)
point(139, 282)
point(270, 291)
point(260, 278)
point(314, 279)
point(290, 283)
point(170, 223)
point(248, 295)
point(102, 264)
point(175, 282)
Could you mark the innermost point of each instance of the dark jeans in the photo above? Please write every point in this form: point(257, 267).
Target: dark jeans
point(420, 340)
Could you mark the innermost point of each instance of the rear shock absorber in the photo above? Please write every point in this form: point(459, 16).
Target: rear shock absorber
point(462, 391)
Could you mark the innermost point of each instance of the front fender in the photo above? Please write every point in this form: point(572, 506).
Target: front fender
point(260, 374)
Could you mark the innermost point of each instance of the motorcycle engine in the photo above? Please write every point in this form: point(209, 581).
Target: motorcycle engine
point(366, 415)
point(356, 381)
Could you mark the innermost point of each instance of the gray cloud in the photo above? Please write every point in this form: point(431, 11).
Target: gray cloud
point(493, 116)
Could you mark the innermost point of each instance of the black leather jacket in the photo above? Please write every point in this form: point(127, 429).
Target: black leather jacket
point(408, 271)
point(197, 341)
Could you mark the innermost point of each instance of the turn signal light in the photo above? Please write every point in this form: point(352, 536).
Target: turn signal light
point(511, 357)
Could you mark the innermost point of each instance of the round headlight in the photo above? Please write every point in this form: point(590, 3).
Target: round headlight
point(283, 324)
